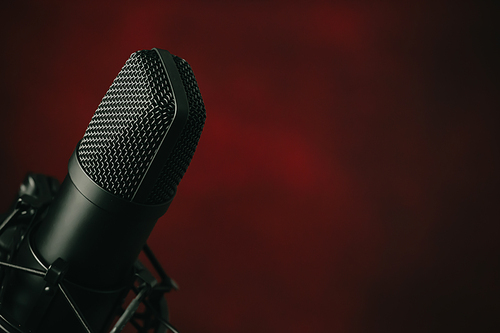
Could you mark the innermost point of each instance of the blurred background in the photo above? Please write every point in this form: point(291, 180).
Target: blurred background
point(347, 179)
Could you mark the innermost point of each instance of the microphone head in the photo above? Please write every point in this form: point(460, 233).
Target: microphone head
point(144, 133)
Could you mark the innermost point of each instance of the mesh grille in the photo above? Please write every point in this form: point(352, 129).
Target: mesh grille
point(128, 126)
point(183, 152)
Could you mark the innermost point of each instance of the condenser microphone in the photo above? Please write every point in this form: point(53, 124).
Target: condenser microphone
point(121, 178)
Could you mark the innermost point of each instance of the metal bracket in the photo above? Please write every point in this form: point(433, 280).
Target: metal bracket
point(53, 277)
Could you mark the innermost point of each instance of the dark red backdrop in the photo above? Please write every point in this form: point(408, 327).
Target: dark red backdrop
point(347, 177)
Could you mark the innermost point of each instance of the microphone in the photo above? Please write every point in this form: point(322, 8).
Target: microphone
point(75, 256)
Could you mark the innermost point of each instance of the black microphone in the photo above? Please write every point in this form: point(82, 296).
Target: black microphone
point(121, 178)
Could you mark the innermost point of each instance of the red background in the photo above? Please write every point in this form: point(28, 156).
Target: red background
point(347, 177)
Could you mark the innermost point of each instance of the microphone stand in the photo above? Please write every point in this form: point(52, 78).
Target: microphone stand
point(35, 195)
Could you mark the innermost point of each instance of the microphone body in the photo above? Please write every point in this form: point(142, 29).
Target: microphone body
point(121, 178)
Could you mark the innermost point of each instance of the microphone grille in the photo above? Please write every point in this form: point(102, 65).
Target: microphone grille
point(129, 126)
point(183, 152)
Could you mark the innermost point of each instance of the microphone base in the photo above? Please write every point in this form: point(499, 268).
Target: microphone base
point(36, 297)
point(46, 303)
